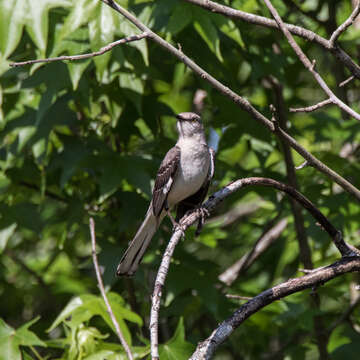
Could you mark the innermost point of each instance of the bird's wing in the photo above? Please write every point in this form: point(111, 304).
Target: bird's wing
point(196, 199)
point(164, 179)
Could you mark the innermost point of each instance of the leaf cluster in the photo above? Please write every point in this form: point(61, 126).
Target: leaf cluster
point(81, 139)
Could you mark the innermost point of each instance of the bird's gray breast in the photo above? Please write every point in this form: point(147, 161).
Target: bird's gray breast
point(192, 172)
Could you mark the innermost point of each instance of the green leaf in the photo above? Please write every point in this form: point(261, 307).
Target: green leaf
point(101, 32)
point(5, 235)
point(26, 337)
point(208, 32)
point(11, 339)
point(180, 18)
point(38, 24)
point(111, 177)
point(82, 12)
point(230, 29)
point(133, 87)
point(127, 29)
point(65, 313)
point(177, 347)
point(9, 349)
point(12, 19)
point(84, 307)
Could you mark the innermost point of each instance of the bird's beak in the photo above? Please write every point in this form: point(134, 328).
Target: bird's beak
point(179, 117)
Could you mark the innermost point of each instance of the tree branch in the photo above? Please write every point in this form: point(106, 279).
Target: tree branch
point(209, 205)
point(313, 107)
point(350, 20)
point(103, 293)
point(261, 245)
point(308, 64)
point(308, 35)
point(156, 297)
point(345, 315)
point(103, 50)
point(302, 165)
point(318, 277)
point(305, 251)
point(238, 100)
point(345, 82)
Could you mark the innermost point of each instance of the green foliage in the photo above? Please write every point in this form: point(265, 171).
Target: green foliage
point(85, 138)
point(11, 339)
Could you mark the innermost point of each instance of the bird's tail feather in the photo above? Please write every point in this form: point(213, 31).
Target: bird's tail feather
point(135, 252)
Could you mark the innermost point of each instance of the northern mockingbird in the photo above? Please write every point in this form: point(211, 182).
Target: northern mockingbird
point(183, 179)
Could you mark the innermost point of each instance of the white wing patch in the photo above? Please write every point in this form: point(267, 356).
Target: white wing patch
point(167, 186)
point(212, 164)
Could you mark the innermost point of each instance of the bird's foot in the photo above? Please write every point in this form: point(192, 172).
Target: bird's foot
point(203, 214)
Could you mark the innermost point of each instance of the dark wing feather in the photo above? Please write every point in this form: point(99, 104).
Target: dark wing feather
point(164, 179)
point(196, 199)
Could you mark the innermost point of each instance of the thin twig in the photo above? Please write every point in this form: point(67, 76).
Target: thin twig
point(103, 293)
point(312, 107)
point(308, 64)
point(102, 51)
point(261, 245)
point(344, 316)
point(345, 82)
point(335, 35)
point(238, 100)
point(206, 348)
point(303, 165)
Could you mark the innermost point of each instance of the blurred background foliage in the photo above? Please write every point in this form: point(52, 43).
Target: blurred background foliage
point(85, 138)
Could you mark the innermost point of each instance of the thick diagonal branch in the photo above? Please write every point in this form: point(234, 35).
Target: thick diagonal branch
point(209, 205)
point(206, 349)
point(238, 100)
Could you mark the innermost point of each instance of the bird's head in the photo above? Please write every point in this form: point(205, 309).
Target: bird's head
point(189, 124)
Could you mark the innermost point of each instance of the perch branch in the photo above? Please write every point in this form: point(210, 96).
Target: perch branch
point(209, 205)
point(156, 297)
point(103, 293)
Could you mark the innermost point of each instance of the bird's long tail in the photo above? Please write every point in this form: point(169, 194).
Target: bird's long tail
point(135, 252)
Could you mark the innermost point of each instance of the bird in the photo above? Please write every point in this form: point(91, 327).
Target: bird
point(182, 180)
